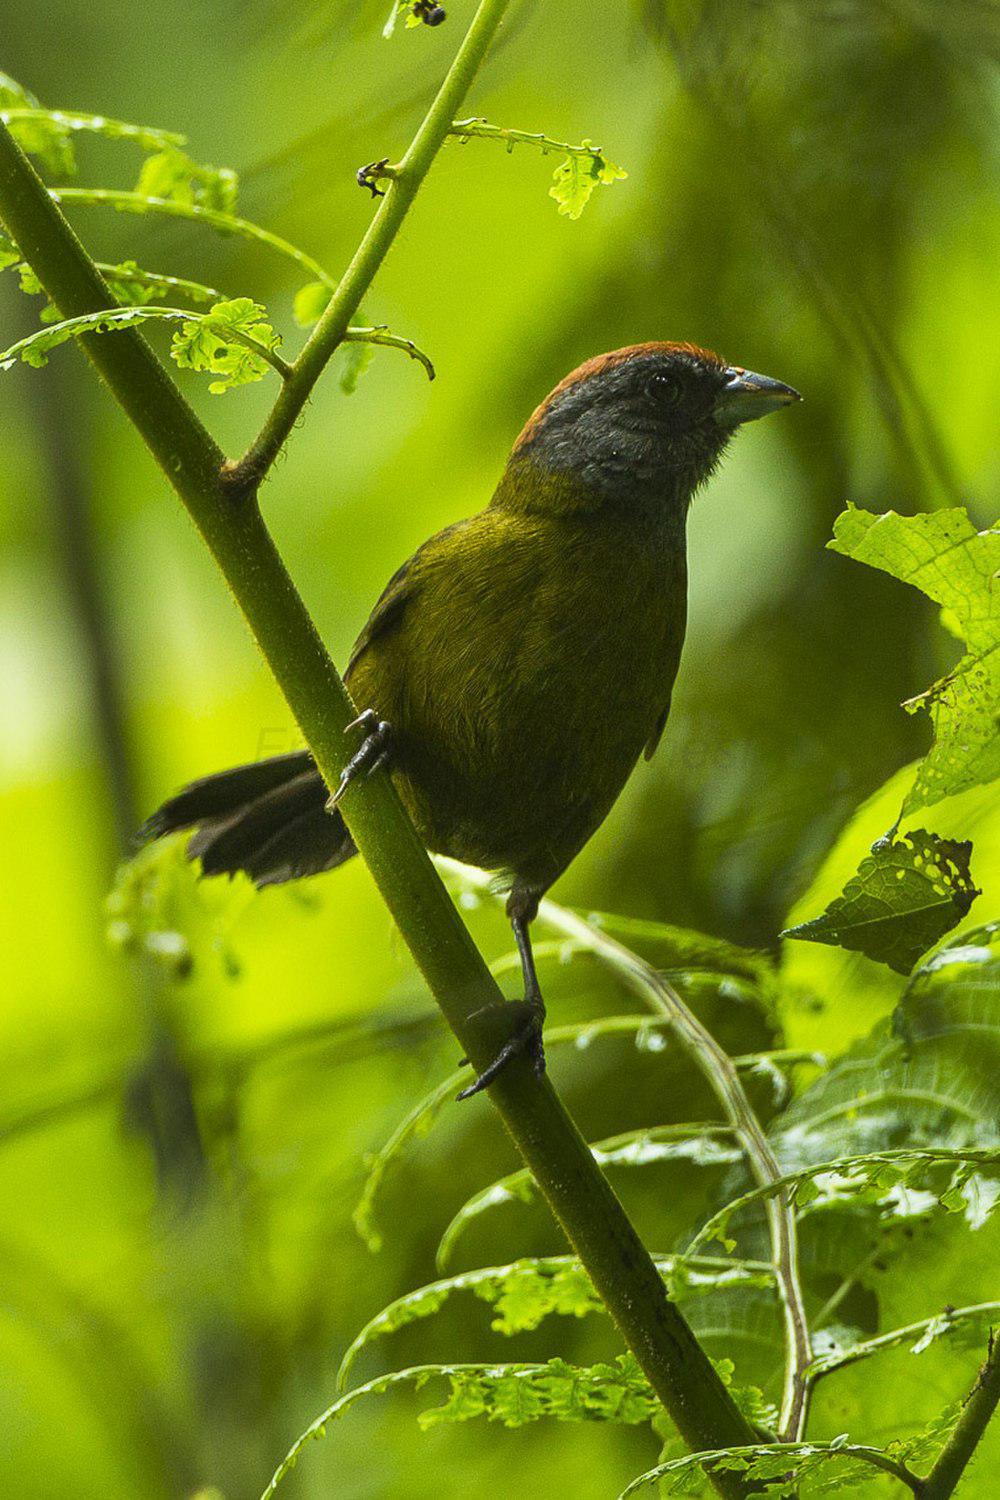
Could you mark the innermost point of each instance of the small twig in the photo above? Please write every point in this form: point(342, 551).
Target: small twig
point(375, 172)
point(214, 218)
point(980, 1405)
point(381, 335)
point(476, 126)
point(951, 1318)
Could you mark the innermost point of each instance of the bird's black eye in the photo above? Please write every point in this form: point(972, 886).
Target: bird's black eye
point(664, 389)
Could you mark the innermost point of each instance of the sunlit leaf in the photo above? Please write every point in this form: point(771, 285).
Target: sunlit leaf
point(209, 344)
point(907, 894)
point(942, 554)
point(574, 180)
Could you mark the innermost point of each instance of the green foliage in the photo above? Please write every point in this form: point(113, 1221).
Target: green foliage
point(906, 895)
point(944, 556)
point(574, 180)
point(703, 1145)
point(528, 1291)
point(232, 342)
point(413, 13)
point(35, 131)
point(785, 1469)
point(357, 358)
point(511, 1394)
point(648, 1034)
point(47, 133)
point(582, 169)
point(160, 907)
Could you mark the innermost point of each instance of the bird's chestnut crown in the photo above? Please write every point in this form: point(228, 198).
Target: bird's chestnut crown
point(645, 423)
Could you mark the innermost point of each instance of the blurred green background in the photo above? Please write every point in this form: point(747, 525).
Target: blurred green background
point(812, 191)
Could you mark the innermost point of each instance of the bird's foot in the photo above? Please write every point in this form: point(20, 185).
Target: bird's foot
point(525, 1040)
point(372, 754)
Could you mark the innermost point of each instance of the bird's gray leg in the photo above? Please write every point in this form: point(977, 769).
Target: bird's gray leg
point(522, 908)
point(372, 754)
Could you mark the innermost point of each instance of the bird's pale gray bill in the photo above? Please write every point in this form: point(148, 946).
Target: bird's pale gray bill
point(747, 396)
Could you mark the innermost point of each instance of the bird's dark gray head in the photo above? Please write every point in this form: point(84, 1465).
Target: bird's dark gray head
point(647, 423)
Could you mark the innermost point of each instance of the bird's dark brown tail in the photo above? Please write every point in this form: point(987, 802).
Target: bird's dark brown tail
point(268, 819)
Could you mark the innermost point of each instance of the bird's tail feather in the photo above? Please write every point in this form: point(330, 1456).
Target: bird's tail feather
point(268, 819)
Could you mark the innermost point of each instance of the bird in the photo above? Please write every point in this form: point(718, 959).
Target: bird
point(515, 669)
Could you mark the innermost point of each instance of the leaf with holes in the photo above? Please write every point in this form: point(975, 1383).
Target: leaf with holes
point(906, 895)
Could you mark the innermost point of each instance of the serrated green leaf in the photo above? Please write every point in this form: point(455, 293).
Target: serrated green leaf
point(942, 554)
point(781, 1467)
point(906, 895)
point(207, 343)
point(528, 1291)
point(709, 1145)
point(131, 284)
point(576, 177)
point(229, 340)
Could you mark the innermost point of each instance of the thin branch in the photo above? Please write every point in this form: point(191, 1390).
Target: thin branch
point(621, 1269)
point(843, 1166)
point(392, 210)
point(213, 218)
point(979, 1407)
point(720, 1071)
point(381, 335)
point(841, 1358)
point(476, 126)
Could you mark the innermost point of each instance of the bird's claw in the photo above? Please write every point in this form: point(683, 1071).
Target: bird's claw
point(371, 755)
point(526, 1041)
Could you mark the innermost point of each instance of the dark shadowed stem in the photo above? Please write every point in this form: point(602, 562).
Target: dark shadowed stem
point(717, 1067)
point(579, 1196)
point(979, 1407)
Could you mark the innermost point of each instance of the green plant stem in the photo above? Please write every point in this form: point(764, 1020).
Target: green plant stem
point(622, 1271)
point(392, 210)
point(214, 218)
point(902, 1335)
point(720, 1071)
point(979, 1407)
point(483, 130)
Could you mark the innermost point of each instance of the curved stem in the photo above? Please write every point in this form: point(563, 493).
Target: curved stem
point(902, 1335)
point(392, 210)
point(483, 130)
point(214, 218)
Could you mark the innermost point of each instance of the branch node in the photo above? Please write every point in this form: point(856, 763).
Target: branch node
point(375, 172)
point(239, 481)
